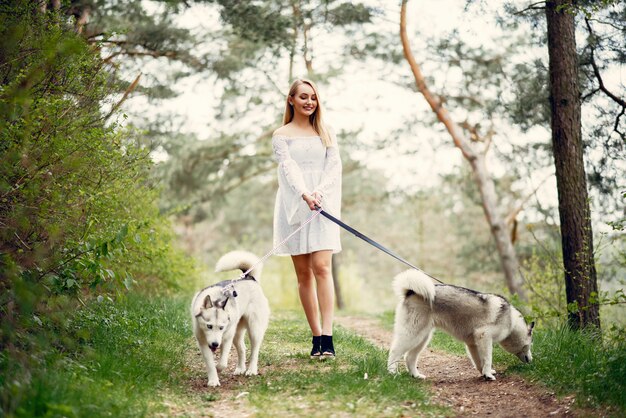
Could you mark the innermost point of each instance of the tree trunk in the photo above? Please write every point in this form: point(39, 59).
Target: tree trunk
point(581, 286)
point(335, 269)
point(83, 19)
point(308, 58)
point(489, 199)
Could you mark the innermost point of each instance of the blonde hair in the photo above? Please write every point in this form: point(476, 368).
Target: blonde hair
point(316, 119)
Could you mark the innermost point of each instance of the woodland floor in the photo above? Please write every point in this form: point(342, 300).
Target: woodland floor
point(455, 384)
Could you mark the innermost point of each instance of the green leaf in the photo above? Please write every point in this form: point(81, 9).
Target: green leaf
point(122, 234)
point(128, 282)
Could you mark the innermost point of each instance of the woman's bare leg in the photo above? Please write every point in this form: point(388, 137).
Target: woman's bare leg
point(321, 264)
point(306, 291)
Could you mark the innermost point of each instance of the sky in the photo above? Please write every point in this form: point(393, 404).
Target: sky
point(363, 97)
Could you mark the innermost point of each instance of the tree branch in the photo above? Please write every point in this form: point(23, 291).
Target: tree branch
point(596, 70)
point(532, 6)
point(435, 104)
point(269, 77)
point(616, 126)
point(602, 87)
point(154, 54)
point(511, 216)
point(128, 91)
point(83, 19)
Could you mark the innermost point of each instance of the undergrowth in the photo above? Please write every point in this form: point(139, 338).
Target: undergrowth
point(126, 352)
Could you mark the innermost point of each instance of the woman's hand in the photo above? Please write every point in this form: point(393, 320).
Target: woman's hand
point(314, 201)
point(317, 195)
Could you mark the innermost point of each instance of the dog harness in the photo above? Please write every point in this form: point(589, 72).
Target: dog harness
point(227, 284)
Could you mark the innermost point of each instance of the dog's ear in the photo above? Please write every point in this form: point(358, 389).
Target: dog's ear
point(207, 302)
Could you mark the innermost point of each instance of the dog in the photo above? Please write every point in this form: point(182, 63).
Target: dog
point(477, 319)
point(223, 312)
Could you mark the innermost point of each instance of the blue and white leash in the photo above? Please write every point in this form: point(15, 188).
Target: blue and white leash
point(373, 243)
point(230, 287)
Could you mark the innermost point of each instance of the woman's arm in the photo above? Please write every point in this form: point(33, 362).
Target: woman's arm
point(332, 171)
point(287, 167)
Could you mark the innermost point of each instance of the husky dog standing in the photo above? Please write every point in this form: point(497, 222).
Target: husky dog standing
point(477, 319)
point(221, 314)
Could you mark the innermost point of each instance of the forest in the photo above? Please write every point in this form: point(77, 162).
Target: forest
point(482, 141)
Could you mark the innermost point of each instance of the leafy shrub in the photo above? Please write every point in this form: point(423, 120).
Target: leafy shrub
point(78, 214)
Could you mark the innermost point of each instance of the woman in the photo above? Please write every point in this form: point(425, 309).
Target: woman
point(309, 175)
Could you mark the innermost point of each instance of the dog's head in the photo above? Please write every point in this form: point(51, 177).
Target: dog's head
point(213, 319)
point(520, 341)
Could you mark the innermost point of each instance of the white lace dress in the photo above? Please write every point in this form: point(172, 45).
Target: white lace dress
point(305, 165)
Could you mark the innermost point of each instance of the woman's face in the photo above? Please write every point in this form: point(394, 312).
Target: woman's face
point(304, 101)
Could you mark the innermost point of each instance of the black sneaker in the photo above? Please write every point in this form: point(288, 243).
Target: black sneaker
point(327, 348)
point(316, 351)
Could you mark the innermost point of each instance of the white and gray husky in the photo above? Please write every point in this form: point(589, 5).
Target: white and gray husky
point(477, 319)
point(221, 314)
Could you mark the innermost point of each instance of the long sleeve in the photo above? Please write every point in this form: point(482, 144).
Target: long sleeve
point(288, 169)
point(331, 178)
point(290, 181)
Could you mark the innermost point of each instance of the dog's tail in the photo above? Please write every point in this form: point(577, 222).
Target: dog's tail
point(415, 282)
point(241, 260)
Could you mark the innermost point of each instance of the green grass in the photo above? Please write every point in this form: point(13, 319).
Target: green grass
point(566, 361)
point(126, 352)
point(128, 359)
point(581, 362)
point(296, 385)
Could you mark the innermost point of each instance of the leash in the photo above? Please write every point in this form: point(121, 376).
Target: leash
point(229, 289)
point(372, 242)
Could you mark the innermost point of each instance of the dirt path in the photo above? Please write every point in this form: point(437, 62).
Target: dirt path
point(228, 400)
point(456, 384)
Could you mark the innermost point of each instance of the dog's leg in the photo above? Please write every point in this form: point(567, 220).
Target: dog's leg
point(472, 353)
point(413, 355)
point(484, 348)
point(400, 344)
point(227, 343)
point(209, 361)
point(256, 331)
point(240, 345)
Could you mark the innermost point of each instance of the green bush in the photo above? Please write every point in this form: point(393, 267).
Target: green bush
point(78, 213)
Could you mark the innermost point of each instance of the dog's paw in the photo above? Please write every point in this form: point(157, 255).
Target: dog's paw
point(489, 377)
point(418, 375)
point(393, 368)
point(251, 372)
point(220, 367)
point(239, 371)
point(213, 383)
